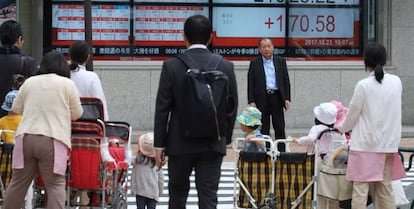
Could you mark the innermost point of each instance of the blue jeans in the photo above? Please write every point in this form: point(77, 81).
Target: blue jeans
point(144, 201)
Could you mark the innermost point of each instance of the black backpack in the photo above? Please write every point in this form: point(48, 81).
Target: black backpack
point(206, 90)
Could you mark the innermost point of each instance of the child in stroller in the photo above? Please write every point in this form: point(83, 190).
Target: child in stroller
point(250, 121)
point(325, 117)
point(8, 124)
point(254, 164)
point(332, 155)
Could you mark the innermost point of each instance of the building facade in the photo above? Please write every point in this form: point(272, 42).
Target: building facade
point(131, 85)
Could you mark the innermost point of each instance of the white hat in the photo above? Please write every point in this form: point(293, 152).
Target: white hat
point(326, 113)
point(146, 144)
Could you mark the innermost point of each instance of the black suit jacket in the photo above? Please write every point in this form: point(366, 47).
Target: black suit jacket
point(256, 85)
point(167, 132)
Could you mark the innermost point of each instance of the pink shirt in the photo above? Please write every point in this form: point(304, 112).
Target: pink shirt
point(311, 139)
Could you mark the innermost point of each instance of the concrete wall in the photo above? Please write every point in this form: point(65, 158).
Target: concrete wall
point(131, 88)
point(402, 52)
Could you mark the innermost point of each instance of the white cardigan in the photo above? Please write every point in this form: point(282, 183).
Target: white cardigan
point(374, 115)
point(48, 103)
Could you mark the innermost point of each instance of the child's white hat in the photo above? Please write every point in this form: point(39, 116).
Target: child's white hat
point(326, 113)
point(146, 144)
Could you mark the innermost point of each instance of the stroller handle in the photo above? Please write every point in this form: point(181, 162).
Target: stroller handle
point(239, 140)
point(327, 131)
point(282, 141)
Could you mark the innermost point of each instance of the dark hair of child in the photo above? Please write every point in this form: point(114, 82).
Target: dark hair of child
point(253, 127)
point(141, 159)
point(317, 122)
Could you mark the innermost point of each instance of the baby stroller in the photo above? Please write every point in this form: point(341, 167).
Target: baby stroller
point(295, 178)
point(254, 176)
point(5, 163)
point(100, 156)
point(281, 180)
point(334, 191)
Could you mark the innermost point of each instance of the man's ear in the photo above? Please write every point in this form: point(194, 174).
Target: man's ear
point(186, 40)
point(209, 40)
point(19, 42)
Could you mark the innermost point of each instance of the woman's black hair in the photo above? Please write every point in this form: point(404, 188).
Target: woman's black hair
point(79, 53)
point(375, 56)
point(54, 62)
point(141, 159)
point(318, 122)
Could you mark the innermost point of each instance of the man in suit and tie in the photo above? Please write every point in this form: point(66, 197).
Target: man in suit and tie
point(269, 89)
point(185, 154)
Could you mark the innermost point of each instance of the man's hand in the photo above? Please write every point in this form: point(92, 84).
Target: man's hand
point(287, 105)
point(160, 159)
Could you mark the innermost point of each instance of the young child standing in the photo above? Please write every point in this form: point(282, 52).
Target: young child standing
point(325, 117)
point(147, 179)
point(250, 121)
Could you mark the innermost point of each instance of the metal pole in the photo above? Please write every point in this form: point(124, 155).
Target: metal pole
point(87, 4)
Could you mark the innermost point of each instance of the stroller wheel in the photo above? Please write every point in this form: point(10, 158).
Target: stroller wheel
point(267, 206)
point(120, 203)
point(269, 202)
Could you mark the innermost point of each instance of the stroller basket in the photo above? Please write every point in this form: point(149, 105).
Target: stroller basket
point(5, 161)
point(293, 180)
point(253, 175)
point(332, 182)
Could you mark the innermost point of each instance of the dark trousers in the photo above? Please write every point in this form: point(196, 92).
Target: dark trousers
point(207, 168)
point(273, 110)
point(144, 201)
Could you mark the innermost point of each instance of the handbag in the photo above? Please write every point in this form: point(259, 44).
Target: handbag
point(399, 193)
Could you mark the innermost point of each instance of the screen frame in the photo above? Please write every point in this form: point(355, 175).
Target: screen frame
point(285, 51)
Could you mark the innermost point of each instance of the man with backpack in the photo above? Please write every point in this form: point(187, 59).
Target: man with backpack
point(12, 61)
point(196, 89)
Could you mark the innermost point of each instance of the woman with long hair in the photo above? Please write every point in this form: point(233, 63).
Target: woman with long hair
point(48, 102)
point(374, 116)
point(87, 82)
